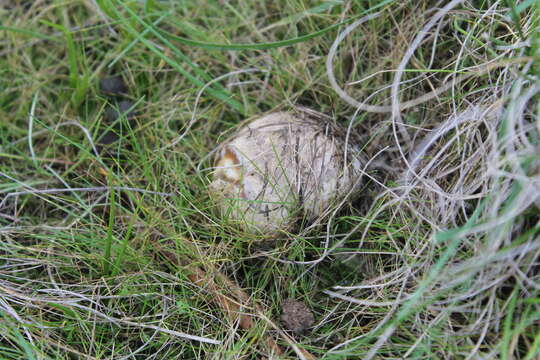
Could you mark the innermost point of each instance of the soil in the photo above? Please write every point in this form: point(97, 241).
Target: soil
point(296, 316)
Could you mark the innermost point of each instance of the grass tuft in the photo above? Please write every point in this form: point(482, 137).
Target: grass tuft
point(115, 250)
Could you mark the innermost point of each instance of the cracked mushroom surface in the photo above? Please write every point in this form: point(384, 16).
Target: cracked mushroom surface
point(284, 165)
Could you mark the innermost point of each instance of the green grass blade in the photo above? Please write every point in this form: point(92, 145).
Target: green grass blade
point(125, 241)
point(514, 13)
point(14, 332)
point(318, 9)
point(269, 45)
point(219, 94)
point(533, 351)
point(78, 80)
point(525, 5)
point(26, 32)
point(134, 42)
point(110, 236)
point(507, 326)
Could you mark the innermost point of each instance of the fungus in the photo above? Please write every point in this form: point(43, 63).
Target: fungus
point(284, 165)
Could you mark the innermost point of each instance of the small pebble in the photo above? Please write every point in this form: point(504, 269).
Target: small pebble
point(114, 85)
point(112, 113)
point(108, 138)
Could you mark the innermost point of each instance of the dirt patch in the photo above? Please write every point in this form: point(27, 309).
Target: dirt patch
point(296, 316)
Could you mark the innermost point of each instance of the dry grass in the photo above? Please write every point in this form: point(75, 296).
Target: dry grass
point(438, 259)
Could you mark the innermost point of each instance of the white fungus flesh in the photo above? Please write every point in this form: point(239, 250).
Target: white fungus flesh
point(283, 166)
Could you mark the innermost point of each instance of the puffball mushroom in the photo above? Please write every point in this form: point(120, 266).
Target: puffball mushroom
point(283, 165)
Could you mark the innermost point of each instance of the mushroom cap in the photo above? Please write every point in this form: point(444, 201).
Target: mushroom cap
point(282, 165)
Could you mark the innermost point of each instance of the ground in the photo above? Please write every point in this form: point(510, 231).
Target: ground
point(110, 115)
point(296, 316)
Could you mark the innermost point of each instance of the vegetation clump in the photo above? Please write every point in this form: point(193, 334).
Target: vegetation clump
point(110, 245)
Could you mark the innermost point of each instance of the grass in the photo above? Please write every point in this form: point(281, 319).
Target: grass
point(100, 246)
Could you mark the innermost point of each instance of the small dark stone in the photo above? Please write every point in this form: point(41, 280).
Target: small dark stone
point(105, 144)
point(112, 113)
point(108, 138)
point(114, 85)
point(296, 316)
point(125, 105)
